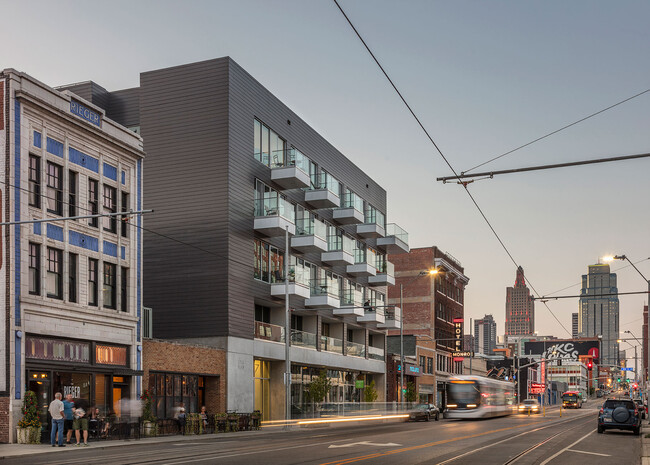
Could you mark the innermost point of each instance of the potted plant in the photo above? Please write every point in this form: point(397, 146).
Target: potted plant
point(149, 421)
point(233, 421)
point(370, 392)
point(256, 418)
point(221, 422)
point(29, 427)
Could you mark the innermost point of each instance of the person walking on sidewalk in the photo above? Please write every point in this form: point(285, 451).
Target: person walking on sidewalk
point(80, 422)
point(56, 411)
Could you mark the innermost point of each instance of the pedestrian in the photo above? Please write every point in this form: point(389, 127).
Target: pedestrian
point(182, 419)
point(57, 411)
point(204, 417)
point(80, 422)
point(68, 417)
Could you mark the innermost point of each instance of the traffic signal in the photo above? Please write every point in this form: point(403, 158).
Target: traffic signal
point(619, 379)
point(589, 365)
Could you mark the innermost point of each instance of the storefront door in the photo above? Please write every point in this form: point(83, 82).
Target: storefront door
point(39, 382)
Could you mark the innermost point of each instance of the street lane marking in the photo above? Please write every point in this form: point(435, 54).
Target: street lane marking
point(566, 448)
point(364, 443)
point(585, 452)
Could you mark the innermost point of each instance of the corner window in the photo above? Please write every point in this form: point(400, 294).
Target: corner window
point(72, 193)
point(269, 148)
point(109, 285)
point(93, 206)
point(124, 285)
point(72, 277)
point(109, 204)
point(92, 281)
point(34, 269)
point(125, 219)
point(35, 181)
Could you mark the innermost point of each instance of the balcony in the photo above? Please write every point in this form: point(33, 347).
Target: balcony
point(273, 215)
point(375, 353)
point(303, 339)
point(355, 349)
point(311, 236)
point(364, 263)
point(331, 344)
point(372, 315)
point(351, 303)
point(324, 192)
point(396, 240)
point(269, 332)
point(295, 289)
point(351, 211)
point(324, 294)
point(392, 318)
point(340, 251)
point(370, 230)
point(385, 273)
point(290, 169)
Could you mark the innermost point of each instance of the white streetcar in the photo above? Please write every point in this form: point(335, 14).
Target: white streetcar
point(479, 397)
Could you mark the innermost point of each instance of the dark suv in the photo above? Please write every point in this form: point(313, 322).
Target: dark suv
point(619, 414)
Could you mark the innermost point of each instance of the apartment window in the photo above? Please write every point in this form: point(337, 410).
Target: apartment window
point(93, 202)
point(269, 147)
point(72, 277)
point(72, 193)
point(422, 363)
point(92, 281)
point(124, 283)
point(35, 181)
point(109, 203)
point(125, 219)
point(269, 263)
point(54, 188)
point(429, 364)
point(54, 273)
point(108, 290)
point(34, 269)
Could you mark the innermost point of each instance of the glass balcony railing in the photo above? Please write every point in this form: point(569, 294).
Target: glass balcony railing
point(374, 216)
point(273, 205)
point(311, 227)
point(290, 157)
point(299, 275)
point(350, 199)
point(390, 313)
point(375, 353)
point(352, 298)
point(326, 286)
point(340, 243)
point(303, 339)
point(384, 266)
point(374, 307)
point(325, 181)
point(269, 332)
point(393, 230)
point(368, 256)
point(355, 349)
point(331, 344)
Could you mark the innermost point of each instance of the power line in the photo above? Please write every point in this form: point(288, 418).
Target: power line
point(440, 152)
point(588, 296)
point(556, 131)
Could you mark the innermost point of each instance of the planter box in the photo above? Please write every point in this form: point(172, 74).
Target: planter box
point(28, 435)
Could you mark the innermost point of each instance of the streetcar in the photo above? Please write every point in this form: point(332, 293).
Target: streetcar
point(572, 399)
point(479, 397)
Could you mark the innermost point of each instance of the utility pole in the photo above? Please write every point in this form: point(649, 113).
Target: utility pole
point(287, 332)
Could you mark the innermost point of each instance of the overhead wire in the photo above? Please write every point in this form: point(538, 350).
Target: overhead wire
point(556, 131)
point(426, 132)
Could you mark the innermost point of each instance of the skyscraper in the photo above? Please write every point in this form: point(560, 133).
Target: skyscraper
point(574, 325)
point(485, 335)
point(598, 313)
point(520, 308)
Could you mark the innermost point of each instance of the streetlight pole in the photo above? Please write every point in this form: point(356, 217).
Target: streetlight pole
point(287, 332)
point(636, 373)
point(647, 369)
point(401, 329)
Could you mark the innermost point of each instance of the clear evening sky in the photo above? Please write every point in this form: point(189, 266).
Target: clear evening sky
point(484, 77)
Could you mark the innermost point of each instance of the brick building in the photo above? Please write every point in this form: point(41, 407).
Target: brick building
point(176, 372)
point(433, 312)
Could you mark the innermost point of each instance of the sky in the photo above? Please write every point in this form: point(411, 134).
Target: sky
point(483, 77)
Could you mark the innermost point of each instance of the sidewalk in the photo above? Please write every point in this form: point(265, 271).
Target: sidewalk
point(22, 450)
point(645, 443)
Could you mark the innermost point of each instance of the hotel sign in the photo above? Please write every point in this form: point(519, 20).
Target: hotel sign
point(86, 113)
point(458, 334)
point(462, 354)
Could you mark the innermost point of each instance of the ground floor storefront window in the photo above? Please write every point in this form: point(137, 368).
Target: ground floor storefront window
point(262, 380)
point(170, 391)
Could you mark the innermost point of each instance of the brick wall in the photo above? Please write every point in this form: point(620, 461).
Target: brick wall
point(168, 356)
point(4, 419)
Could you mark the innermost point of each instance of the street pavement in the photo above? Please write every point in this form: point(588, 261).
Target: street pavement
point(551, 439)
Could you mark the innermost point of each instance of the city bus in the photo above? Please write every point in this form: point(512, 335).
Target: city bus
point(572, 399)
point(479, 397)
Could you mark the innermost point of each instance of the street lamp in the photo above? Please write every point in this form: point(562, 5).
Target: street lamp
point(636, 366)
point(647, 369)
point(431, 272)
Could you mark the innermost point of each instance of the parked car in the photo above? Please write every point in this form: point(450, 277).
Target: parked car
point(424, 412)
point(529, 405)
point(619, 414)
point(641, 407)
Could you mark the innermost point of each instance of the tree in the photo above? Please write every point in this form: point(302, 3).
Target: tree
point(411, 394)
point(30, 412)
point(370, 393)
point(319, 387)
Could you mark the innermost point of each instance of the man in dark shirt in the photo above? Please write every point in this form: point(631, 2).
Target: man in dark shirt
point(80, 422)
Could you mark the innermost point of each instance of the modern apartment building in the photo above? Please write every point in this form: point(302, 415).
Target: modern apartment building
point(433, 311)
point(520, 308)
point(232, 172)
point(72, 287)
point(485, 335)
point(598, 313)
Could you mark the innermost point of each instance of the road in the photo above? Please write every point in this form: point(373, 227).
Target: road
point(550, 439)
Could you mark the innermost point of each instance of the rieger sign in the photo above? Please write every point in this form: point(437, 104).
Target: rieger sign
point(85, 113)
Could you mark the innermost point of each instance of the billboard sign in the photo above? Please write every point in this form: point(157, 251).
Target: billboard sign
point(565, 349)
